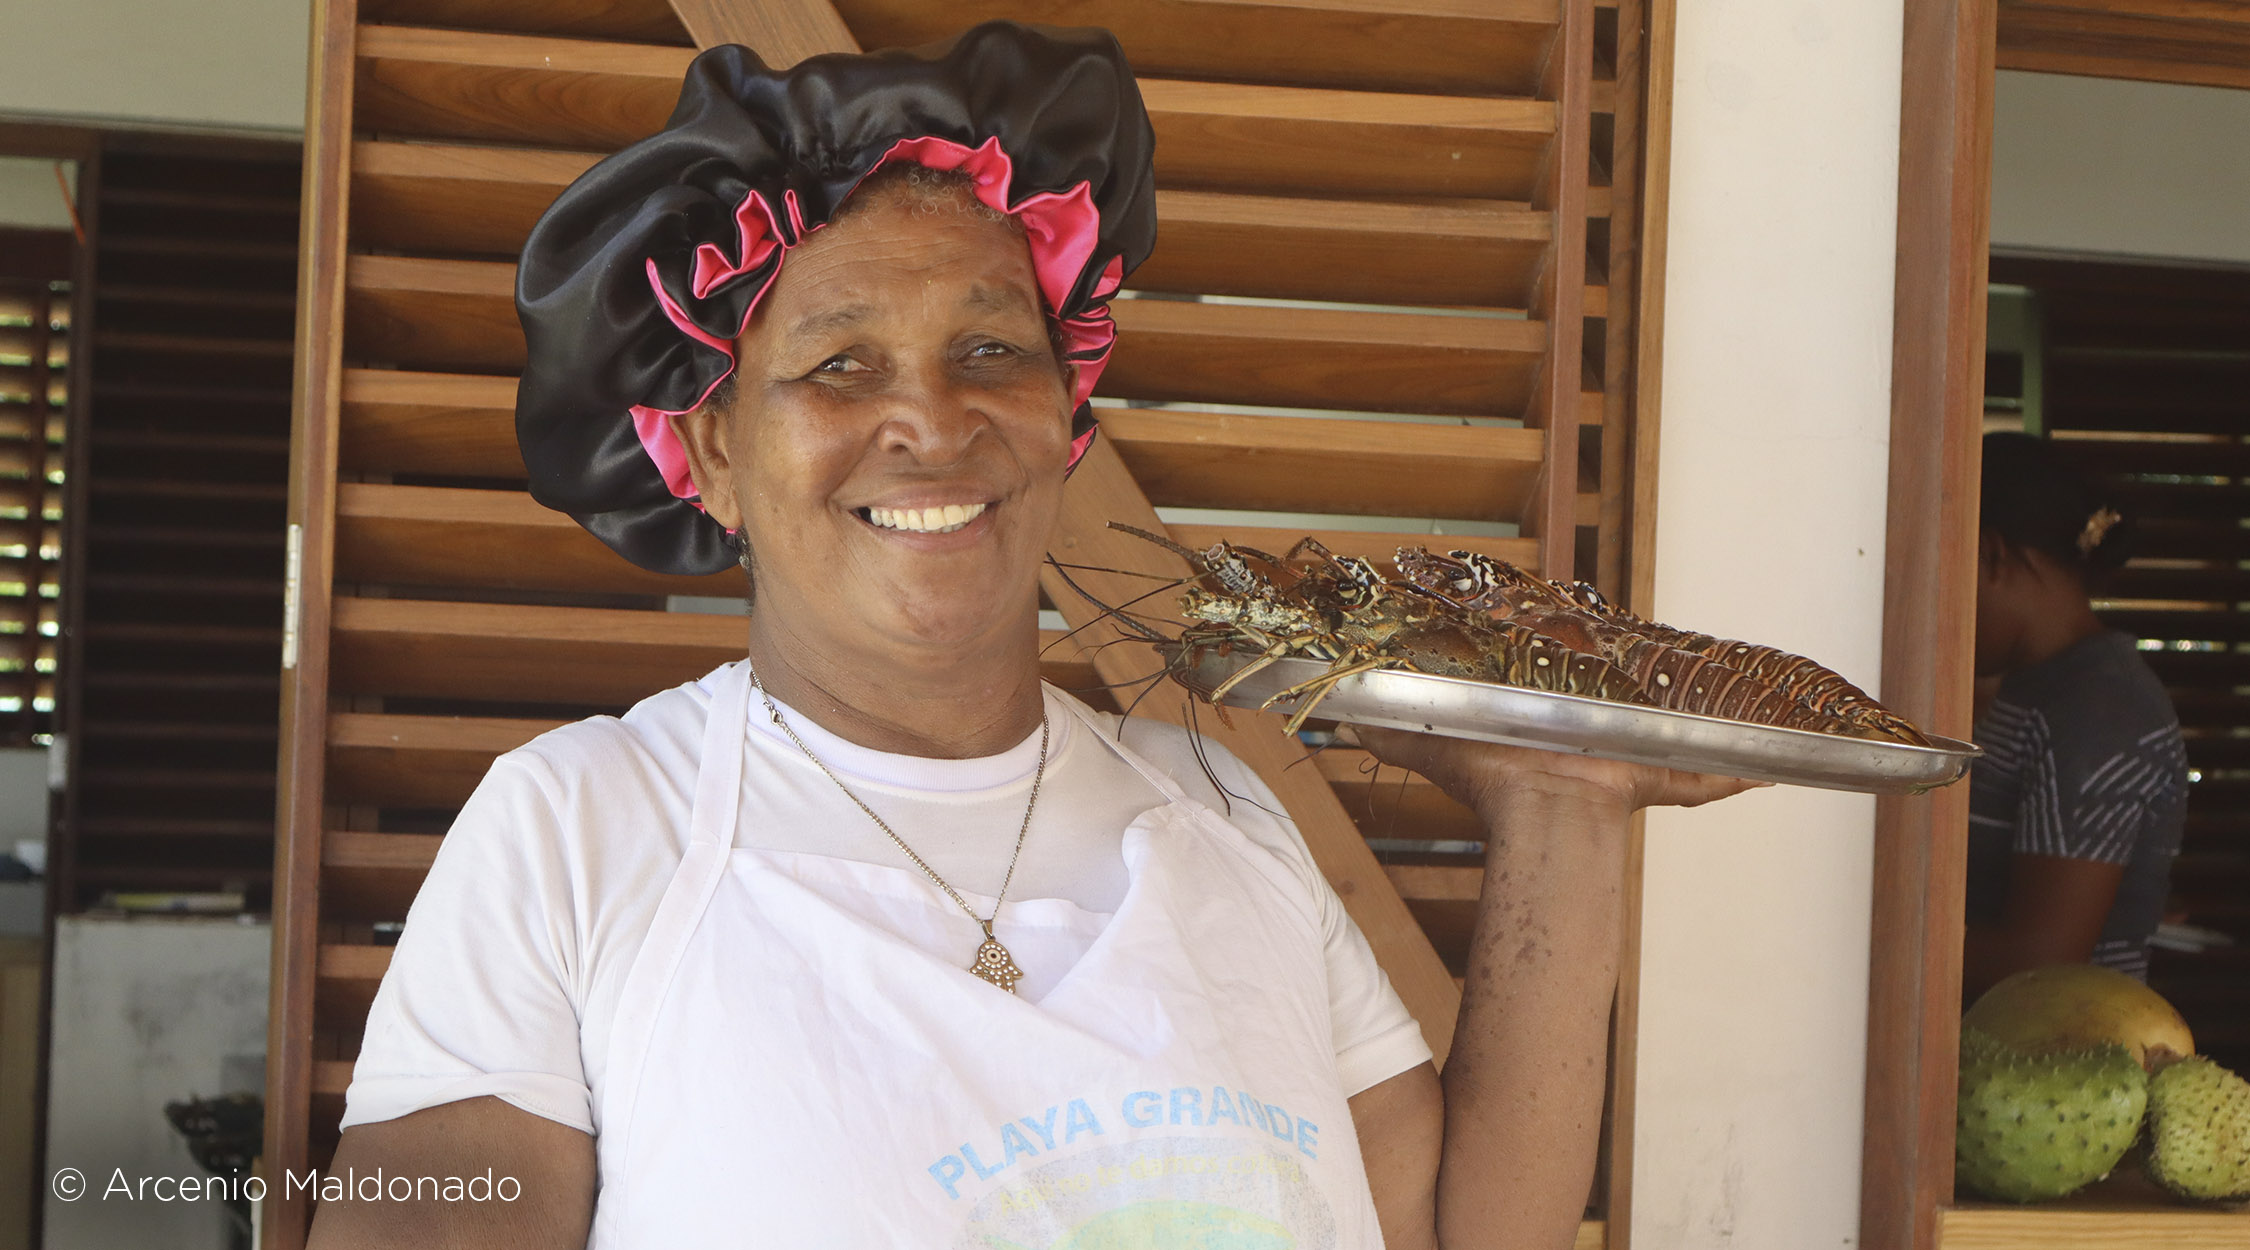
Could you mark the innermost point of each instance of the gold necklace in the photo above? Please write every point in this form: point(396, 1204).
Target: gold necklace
point(992, 963)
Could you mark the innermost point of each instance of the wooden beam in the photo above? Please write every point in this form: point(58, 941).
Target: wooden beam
point(1929, 598)
point(1559, 302)
point(2175, 41)
point(1640, 164)
point(782, 32)
point(304, 693)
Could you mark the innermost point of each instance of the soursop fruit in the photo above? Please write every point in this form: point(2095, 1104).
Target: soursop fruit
point(2199, 1130)
point(2033, 1126)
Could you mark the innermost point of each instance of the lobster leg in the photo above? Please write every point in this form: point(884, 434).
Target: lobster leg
point(1318, 689)
point(1272, 653)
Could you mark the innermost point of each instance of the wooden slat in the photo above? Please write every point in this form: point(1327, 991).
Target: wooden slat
point(457, 199)
point(1448, 46)
point(1314, 358)
point(519, 652)
point(421, 313)
point(373, 876)
point(2206, 583)
point(582, 94)
point(2229, 627)
point(418, 761)
point(639, 21)
point(347, 977)
point(434, 536)
point(1282, 464)
point(2112, 42)
point(2204, 670)
point(513, 652)
point(2193, 457)
point(401, 422)
point(2225, 504)
point(2158, 538)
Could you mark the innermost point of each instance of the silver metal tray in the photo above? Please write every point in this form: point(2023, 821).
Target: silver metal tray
point(1459, 708)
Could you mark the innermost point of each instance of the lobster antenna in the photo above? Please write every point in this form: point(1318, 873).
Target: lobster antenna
point(1116, 614)
point(1103, 568)
point(1191, 555)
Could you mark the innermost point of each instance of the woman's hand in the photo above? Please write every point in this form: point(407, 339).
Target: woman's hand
point(1482, 776)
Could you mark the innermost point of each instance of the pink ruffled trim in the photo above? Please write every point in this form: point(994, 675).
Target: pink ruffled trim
point(1061, 226)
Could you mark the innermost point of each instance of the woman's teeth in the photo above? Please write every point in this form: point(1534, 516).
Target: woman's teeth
point(943, 520)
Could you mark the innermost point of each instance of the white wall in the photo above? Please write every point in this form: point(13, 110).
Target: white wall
point(2104, 165)
point(147, 1011)
point(1770, 516)
point(29, 196)
point(204, 64)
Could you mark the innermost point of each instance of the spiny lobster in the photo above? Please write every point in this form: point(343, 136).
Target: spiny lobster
point(1678, 668)
point(1462, 615)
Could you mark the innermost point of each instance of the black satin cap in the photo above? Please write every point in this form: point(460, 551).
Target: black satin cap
point(637, 280)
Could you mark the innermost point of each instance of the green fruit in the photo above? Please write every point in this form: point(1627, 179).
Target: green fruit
point(2038, 1126)
point(2199, 1130)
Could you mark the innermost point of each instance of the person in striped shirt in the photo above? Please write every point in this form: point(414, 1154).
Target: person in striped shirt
point(2076, 809)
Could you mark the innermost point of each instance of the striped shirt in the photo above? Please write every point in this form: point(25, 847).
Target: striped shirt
point(2083, 760)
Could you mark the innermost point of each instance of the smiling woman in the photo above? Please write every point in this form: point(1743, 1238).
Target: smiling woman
point(870, 938)
point(890, 451)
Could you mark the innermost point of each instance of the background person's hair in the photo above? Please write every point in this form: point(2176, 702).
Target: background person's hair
point(2037, 502)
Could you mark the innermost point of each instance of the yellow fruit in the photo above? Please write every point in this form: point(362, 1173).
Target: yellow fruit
point(2073, 1006)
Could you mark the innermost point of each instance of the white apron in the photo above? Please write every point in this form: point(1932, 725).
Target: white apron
point(783, 1073)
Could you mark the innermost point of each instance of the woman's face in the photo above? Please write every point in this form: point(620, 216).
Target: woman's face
point(895, 451)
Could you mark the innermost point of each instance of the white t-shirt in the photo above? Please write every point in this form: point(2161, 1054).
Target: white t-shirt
point(510, 967)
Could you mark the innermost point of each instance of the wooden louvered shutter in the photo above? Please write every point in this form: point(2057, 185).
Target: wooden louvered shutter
point(1421, 171)
point(35, 350)
point(174, 617)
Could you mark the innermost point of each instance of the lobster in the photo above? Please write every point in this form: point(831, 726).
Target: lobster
point(1467, 615)
point(1683, 669)
point(1314, 604)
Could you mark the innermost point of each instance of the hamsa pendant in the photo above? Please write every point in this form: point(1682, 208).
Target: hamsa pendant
point(994, 964)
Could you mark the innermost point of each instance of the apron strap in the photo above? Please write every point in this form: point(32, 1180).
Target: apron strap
point(711, 828)
point(718, 780)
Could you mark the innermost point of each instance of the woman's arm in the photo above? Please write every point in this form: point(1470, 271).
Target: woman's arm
point(1517, 1118)
point(552, 1165)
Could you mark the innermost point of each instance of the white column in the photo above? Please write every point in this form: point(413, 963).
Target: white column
point(1770, 515)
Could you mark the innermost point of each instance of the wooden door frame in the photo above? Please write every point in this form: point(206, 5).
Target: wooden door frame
point(1929, 610)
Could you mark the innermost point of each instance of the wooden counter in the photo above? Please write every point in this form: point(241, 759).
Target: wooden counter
point(2125, 1212)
